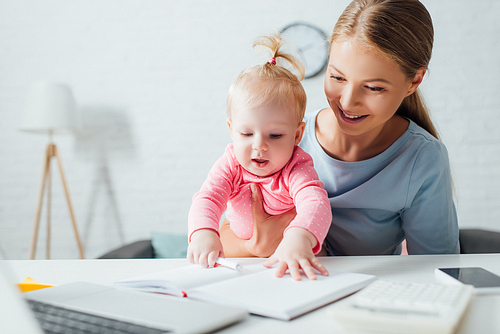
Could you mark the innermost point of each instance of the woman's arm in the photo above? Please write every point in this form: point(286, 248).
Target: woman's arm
point(430, 220)
point(267, 231)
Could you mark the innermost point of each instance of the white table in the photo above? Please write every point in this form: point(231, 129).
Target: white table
point(483, 315)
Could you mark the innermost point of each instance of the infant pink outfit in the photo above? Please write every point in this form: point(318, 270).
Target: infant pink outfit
point(228, 186)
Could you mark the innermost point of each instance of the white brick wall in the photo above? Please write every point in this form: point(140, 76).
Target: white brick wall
point(151, 77)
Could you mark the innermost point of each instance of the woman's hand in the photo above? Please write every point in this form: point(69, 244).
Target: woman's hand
point(295, 252)
point(267, 231)
point(205, 248)
point(232, 244)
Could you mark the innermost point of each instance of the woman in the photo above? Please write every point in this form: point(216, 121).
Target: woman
point(375, 148)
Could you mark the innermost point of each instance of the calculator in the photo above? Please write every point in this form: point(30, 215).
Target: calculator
point(403, 307)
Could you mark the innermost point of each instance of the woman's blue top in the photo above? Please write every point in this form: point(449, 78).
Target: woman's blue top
point(404, 192)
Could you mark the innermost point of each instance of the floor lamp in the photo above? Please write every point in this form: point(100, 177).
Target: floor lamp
point(50, 108)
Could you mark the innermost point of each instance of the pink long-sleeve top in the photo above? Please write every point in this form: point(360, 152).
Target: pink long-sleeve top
point(228, 187)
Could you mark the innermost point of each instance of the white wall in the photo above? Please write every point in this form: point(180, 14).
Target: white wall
point(151, 77)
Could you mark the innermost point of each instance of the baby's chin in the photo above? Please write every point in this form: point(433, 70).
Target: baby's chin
point(261, 172)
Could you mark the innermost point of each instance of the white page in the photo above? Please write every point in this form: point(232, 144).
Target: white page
point(174, 281)
point(281, 298)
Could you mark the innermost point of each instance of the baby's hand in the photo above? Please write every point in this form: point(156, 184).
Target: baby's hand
point(295, 252)
point(205, 248)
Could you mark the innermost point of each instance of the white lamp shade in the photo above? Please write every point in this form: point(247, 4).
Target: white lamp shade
point(50, 107)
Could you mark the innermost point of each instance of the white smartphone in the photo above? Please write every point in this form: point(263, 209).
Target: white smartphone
point(483, 280)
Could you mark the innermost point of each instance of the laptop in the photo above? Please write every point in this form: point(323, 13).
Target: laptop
point(107, 309)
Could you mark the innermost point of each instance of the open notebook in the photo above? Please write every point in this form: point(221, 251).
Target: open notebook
point(105, 306)
point(254, 288)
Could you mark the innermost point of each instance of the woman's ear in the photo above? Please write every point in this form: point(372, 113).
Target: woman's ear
point(299, 133)
point(417, 80)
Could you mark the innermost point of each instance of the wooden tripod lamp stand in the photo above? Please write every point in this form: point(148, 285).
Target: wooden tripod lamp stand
point(50, 108)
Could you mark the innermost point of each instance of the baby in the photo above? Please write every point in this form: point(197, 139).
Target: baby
point(265, 108)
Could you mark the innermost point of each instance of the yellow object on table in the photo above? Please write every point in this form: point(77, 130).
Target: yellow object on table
point(30, 284)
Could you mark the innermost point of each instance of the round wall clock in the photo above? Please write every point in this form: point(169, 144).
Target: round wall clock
point(310, 44)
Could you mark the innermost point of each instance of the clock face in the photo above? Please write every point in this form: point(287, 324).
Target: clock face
point(309, 44)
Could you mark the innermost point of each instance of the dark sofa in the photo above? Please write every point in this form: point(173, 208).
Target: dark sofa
point(472, 241)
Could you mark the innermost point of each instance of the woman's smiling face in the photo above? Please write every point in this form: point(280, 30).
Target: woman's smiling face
point(363, 88)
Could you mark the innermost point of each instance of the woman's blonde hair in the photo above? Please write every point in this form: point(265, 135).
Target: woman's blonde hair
point(261, 84)
point(400, 30)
